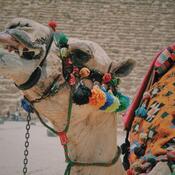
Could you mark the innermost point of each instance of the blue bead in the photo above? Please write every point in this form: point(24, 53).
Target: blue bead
point(26, 105)
point(141, 111)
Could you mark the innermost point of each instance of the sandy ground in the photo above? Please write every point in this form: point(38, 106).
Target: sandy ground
point(46, 155)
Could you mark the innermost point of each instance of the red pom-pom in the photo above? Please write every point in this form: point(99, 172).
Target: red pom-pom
point(130, 172)
point(107, 78)
point(75, 70)
point(53, 25)
point(72, 80)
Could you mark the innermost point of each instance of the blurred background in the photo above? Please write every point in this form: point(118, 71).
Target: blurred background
point(135, 29)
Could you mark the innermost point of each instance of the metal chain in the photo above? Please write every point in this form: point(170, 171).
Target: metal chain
point(26, 152)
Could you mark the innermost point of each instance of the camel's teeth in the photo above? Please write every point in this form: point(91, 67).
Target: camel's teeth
point(20, 51)
point(37, 51)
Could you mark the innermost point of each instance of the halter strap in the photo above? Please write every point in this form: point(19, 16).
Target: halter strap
point(36, 74)
point(64, 140)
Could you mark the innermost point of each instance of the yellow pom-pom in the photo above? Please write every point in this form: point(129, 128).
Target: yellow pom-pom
point(64, 52)
point(84, 72)
point(114, 106)
point(98, 97)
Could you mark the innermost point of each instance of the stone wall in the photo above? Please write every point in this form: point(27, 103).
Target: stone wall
point(135, 29)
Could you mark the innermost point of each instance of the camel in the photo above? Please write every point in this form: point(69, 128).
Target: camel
point(34, 62)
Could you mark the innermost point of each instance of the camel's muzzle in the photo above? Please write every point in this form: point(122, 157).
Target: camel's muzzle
point(19, 42)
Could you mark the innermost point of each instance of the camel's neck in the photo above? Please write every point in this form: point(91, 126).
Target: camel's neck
point(91, 135)
point(92, 138)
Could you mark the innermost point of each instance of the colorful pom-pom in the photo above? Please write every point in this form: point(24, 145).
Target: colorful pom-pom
point(81, 95)
point(98, 97)
point(124, 102)
point(115, 82)
point(75, 69)
point(84, 72)
point(64, 52)
point(130, 172)
point(53, 25)
point(96, 76)
point(107, 77)
point(115, 105)
point(60, 39)
point(72, 80)
point(68, 62)
point(109, 99)
point(63, 40)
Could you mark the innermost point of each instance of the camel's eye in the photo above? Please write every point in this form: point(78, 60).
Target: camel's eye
point(80, 57)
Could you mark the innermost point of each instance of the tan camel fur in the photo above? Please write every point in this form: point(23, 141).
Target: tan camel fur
point(92, 133)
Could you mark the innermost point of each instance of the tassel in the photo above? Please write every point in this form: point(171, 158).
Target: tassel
point(124, 102)
point(26, 106)
point(141, 111)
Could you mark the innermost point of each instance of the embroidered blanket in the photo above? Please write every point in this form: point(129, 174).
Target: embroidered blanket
point(152, 134)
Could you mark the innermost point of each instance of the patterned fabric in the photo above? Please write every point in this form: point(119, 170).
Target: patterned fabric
point(165, 60)
point(152, 136)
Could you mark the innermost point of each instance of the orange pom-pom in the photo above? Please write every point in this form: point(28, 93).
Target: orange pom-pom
point(84, 72)
point(98, 97)
point(53, 25)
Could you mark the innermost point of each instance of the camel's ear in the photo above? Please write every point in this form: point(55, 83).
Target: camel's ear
point(18, 23)
point(123, 69)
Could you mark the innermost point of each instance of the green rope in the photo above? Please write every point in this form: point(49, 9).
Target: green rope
point(102, 164)
point(69, 112)
point(68, 117)
point(75, 163)
point(68, 169)
point(68, 160)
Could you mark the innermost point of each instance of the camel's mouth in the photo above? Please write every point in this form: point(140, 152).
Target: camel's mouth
point(18, 42)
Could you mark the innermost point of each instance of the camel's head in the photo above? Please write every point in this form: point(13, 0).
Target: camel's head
point(25, 43)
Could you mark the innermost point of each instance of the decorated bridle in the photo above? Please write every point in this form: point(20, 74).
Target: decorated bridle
point(103, 95)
